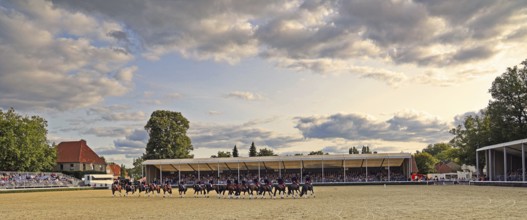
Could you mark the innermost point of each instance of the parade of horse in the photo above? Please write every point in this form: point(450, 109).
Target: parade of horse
point(232, 189)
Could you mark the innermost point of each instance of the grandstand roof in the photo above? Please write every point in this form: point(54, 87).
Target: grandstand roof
point(281, 162)
point(77, 152)
point(514, 146)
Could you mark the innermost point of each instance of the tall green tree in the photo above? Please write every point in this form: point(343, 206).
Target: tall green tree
point(234, 151)
point(425, 162)
point(123, 171)
point(168, 136)
point(263, 152)
point(136, 171)
point(23, 144)
point(252, 150)
point(353, 150)
point(507, 110)
point(471, 135)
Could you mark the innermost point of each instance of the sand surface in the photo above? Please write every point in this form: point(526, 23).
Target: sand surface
point(340, 202)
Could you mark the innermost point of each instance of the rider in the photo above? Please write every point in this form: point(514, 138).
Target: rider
point(294, 180)
point(256, 182)
point(280, 182)
point(308, 180)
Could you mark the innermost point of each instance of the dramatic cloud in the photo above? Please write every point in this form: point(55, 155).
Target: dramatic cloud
point(226, 136)
point(108, 131)
point(315, 35)
point(244, 95)
point(132, 146)
point(116, 113)
point(55, 59)
point(404, 126)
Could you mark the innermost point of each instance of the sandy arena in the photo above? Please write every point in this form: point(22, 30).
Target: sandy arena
point(340, 202)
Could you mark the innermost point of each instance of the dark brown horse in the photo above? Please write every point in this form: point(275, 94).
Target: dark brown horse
point(182, 188)
point(231, 187)
point(252, 188)
point(280, 188)
point(242, 188)
point(167, 188)
point(267, 187)
point(292, 189)
point(116, 187)
point(129, 188)
point(305, 188)
point(154, 188)
point(199, 189)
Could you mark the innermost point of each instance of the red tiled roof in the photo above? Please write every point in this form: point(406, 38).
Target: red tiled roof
point(77, 152)
point(114, 169)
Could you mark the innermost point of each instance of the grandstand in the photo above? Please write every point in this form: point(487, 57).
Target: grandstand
point(28, 180)
point(345, 168)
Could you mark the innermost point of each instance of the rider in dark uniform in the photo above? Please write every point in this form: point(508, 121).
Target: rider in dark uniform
point(308, 180)
point(294, 180)
point(256, 182)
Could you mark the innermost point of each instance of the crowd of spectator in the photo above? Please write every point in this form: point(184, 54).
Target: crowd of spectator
point(316, 177)
point(15, 180)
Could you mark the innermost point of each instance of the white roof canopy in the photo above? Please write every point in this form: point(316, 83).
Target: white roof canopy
point(281, 162)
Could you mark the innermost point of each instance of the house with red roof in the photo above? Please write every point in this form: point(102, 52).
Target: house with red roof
point(113, 169)
point(78, 156)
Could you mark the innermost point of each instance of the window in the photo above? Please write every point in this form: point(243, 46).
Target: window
point(71, 166)
point(83, 166)
point(62, 167)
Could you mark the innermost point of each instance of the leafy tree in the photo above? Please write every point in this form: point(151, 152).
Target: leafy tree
point(353, 150)
point(320, 152)
point(235, 151)
point(425, 162)
point(435, 149)
point(224, 154)
point(168, 136)
point(473, 134)
point(365, 150)
point(252, 150)
point(265, 152)
point(123, 171)
point(136, 171)
point(23, 144)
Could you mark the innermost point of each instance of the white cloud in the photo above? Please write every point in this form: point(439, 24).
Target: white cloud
point(403, 126)
point(244, 95)
point(50, 62)
point(116, 113)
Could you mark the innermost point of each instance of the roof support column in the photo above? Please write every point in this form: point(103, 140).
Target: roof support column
point(505, 164)
point(199, 173)
point(258, 170)
point(477, 166)
point(344, 169)
point(389, 177)
point(301, 169)
point(489, 165)
point(279, 170)
point(366, 170)
point(323, 178)
point(179, 173)
point(238, 171)
point(218, 181)
point(523, 162)
point(160, 174)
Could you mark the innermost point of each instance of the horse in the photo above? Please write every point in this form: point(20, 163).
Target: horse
point(129, 188)
point(243, 187)
point(267, 187)
point(232, 188)
point(116, 187)
point(154, 188)
point(251, 188)
point(305, 188)
point(220, 189)
point(167, 188)
point(280, 187)
point(198, 189)
point(142, 187)
point(182, 188)
point(292, 188)
point(208, 187)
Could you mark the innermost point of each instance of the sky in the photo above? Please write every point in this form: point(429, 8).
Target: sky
point(293, 76)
